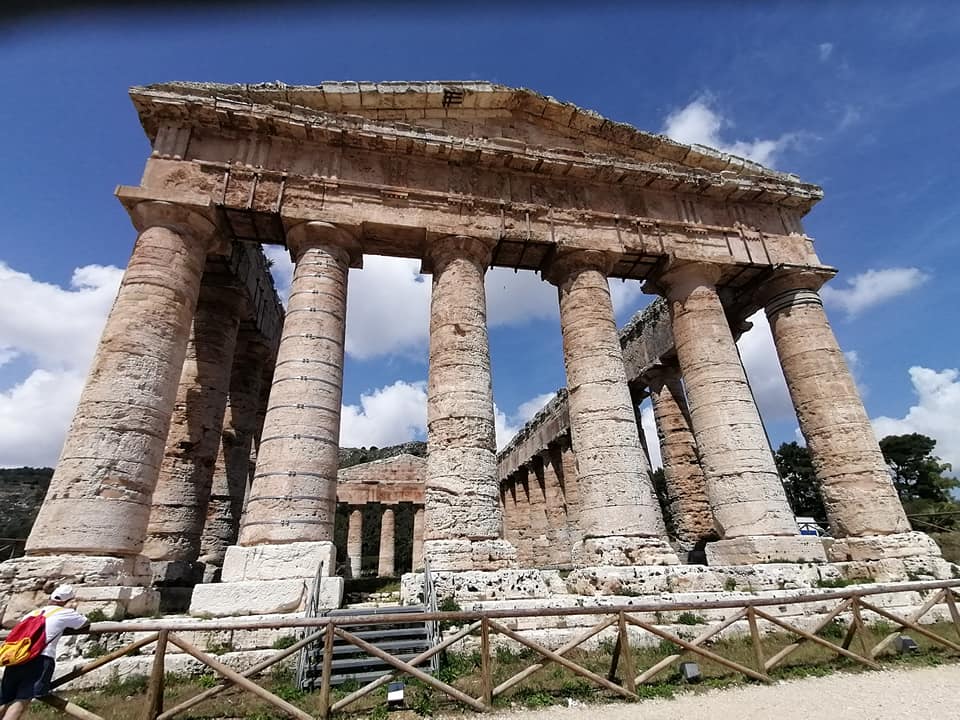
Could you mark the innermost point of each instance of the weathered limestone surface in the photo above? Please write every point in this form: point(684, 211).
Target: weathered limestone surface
point(857, 491)
point(293, 496)
point(278, 562)
point(688, 508)
point(233, 467)
point(418, 539)
point(506, 584)
point(355, 542)
point(746, 496)
point(616, 495)
point(182, 493)
point(750, 549)
point(391, 480)
point(26, 583)
point(261, 597)
point(387, 537)
point(462, 498)
point(876, 547)
point(99, 498)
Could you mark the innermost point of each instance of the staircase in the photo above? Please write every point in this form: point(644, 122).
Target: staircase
point(403, 640)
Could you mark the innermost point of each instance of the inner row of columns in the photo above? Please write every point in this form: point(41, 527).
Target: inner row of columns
point(292, 498)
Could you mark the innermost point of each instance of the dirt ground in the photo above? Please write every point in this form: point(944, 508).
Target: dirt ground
point(889, 695)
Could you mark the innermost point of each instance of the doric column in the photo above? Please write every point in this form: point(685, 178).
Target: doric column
point(99, 497)
point(186, 472)
point(619, 514)
point(387, 538)
point(687, 504)
point(355, 541)
point(637, 396)
point(293, 496)
point(417, 552)
point(464, 521)
point(858, 494)
point(232, 471)
point(749, 504)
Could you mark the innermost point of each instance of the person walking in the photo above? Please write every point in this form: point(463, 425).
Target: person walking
point(22, 683)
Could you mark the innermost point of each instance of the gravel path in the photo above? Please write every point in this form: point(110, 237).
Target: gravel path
point(889, 695)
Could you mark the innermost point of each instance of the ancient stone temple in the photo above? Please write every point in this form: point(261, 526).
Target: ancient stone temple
point(464, 177)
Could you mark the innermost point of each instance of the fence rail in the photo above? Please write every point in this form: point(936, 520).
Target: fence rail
point(851, 602)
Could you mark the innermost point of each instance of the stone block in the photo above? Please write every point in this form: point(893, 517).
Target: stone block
point(261, 597)
point(754, 549)
point(465, 555)
point(879, 547)
point(620, 550)
point(475, 585)
point(278, 562)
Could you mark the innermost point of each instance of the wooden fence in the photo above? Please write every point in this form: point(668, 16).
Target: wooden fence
point(852, 602)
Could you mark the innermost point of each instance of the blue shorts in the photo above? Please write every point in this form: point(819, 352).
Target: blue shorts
point(27, 681)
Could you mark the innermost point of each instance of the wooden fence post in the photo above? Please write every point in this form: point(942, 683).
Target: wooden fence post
point(155, 689)
point(755, 636)
point(326, 671)
point(486, 677)
point(629, 669)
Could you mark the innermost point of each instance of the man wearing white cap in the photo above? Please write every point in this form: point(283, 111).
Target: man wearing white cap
point(22, 683)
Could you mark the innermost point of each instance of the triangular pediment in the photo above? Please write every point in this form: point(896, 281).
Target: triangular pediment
point(513, 119)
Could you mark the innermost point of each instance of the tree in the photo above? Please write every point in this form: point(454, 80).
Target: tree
point(917, 473)
point(800, 480)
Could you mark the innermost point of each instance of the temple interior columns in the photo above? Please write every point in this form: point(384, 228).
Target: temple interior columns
point(385, 563)
point(182, 493)
point(746, 496)
point(620, 517)
point(688, 507)
point(464, 520)
point(233, 468)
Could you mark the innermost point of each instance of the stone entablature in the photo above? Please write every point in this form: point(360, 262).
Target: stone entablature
point(391, 480)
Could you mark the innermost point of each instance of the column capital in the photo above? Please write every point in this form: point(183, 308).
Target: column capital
point(564, 265)
point(679, 279)
point(451, 247)
point(314, 233)
point(790, 287)
point(181, 219)
point(659, 374)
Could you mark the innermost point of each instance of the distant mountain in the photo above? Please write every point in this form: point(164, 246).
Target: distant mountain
point(356, 456)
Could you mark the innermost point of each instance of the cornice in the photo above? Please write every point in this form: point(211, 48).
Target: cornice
point(283, 111)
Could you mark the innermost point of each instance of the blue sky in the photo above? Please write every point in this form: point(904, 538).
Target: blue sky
point(860, 98)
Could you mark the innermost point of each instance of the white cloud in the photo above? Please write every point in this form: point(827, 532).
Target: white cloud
point(825, 50)
point(698, 123)
point(871, 288)
point(56, 330)
point(532, 406)
point(649, 428)
point(57, 327)
point(760, 360)
point(936, 413)
point(387, 416)
point(34, 416)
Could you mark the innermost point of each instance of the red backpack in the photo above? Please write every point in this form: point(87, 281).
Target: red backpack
point(27, 639)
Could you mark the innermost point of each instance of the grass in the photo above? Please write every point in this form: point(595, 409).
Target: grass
point(123, 699)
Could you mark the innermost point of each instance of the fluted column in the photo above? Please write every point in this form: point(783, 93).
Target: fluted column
point(293, 496)
point(619, 514)
point(858, 494)
point(232, 471)
point(385, 566)
point(749, 504)
point(687, 502)
point(464, 520)
point(417, 551)
point(100, 494)
point(355, 541)
point(186, 472)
